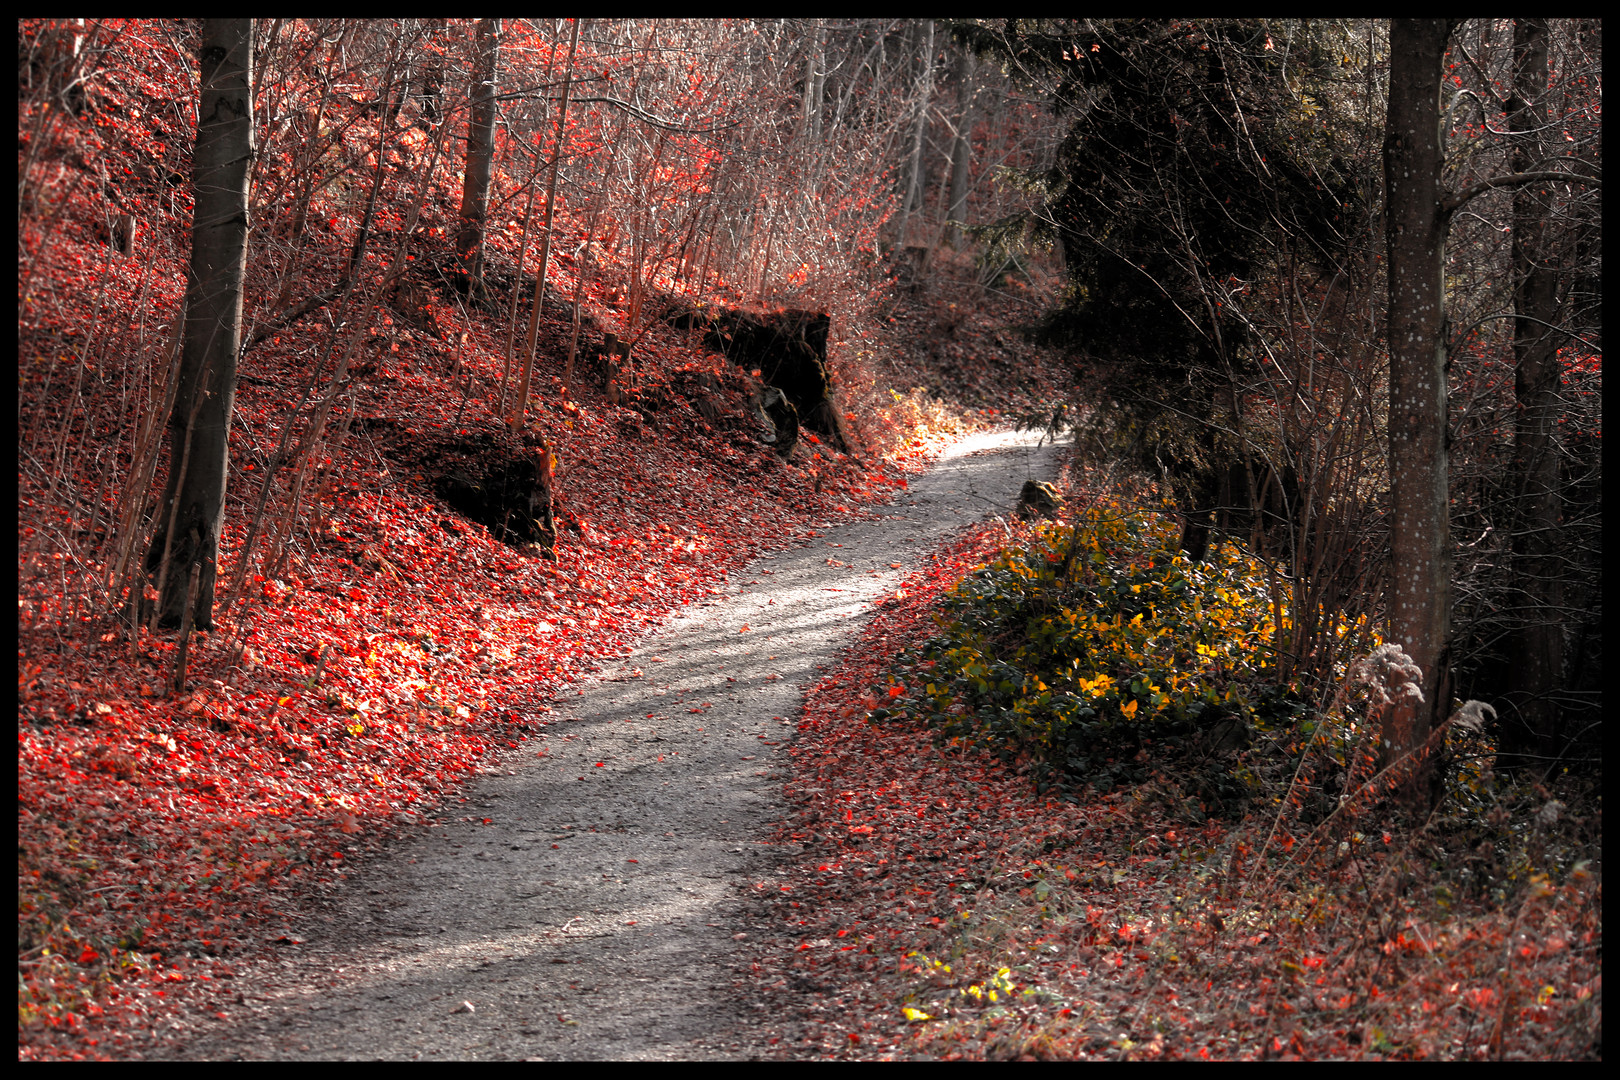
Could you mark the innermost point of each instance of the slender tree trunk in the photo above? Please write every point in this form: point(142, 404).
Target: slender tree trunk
point(523, 253)
point(961, 148)
point(193, 506)
point(517, 289)
point(770, 240)
point(522, 405)
point(480, 157)
point(1420, 532)
point(1535, 650)
point(810, 107)
point(912, 182)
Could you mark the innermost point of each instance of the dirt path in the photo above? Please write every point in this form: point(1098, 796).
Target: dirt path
point(586, 905)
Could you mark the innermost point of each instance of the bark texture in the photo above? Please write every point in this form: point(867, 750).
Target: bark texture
point(480, 157)
point(1535, 652)
point(1420, 533)
point(193, 506)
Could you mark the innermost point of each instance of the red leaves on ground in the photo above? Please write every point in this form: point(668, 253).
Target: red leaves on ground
point(160, 836)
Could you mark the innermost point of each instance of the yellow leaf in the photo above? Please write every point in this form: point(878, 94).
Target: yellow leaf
point(1129, 708)
point(915, 1014)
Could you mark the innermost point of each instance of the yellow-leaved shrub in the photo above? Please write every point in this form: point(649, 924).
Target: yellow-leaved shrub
point(1095, 651)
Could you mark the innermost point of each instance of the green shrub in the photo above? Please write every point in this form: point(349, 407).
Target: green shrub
point(1097, 652)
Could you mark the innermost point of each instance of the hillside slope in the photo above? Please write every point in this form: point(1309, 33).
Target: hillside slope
point(383, 643)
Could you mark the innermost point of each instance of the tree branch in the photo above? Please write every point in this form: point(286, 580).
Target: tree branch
point(653, 121)
point(645, 117)
point(1452, 202)
point(1461, 335)
point(276, 323)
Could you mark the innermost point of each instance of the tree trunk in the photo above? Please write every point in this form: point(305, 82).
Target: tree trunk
point(961, 148)
point(1420, 537)
point(522, 404)
point(480, 157)
point(911, 183)
point(814, 78)
point(1535, 650)
point(193, 505)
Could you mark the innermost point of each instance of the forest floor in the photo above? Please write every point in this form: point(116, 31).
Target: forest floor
point(169, 842)
point(370, 837)
point(226, 870)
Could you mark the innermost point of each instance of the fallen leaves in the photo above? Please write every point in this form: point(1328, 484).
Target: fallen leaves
point(987, 921)
point(155, 832)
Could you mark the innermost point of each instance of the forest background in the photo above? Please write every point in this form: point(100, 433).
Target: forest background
point(304, 534)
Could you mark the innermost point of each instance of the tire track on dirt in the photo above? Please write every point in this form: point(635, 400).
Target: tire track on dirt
point(593, 916)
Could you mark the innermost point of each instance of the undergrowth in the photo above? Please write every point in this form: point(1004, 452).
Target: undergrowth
point(1092, 662)
point(1096, 653)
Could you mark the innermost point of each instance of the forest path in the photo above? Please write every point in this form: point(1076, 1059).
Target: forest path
point(586, 905)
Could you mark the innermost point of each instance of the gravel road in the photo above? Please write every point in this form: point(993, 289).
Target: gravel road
point(593, 916)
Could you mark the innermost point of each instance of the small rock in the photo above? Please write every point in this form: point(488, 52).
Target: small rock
point(1038, 499)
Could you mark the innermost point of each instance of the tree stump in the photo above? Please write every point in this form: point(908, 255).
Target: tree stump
point(780, 419)
point(501, 479)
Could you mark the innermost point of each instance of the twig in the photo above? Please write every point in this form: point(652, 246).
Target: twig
point(189, 622)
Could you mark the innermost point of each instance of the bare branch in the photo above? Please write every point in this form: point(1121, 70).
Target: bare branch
point(1452, 202)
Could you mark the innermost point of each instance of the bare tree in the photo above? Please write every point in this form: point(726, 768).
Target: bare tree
point(961, 146)
point(911, 184)
point(1420, 212)
point(480, 156)
point(1420, 530)
point(186, 546)
point(520, 407)
point(1535, 655)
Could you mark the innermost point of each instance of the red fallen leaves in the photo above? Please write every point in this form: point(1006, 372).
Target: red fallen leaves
point(165, 834)
point(158, 835)
point(194, 818)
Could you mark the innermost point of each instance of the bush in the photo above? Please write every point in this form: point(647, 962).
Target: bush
point(1096, 652)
